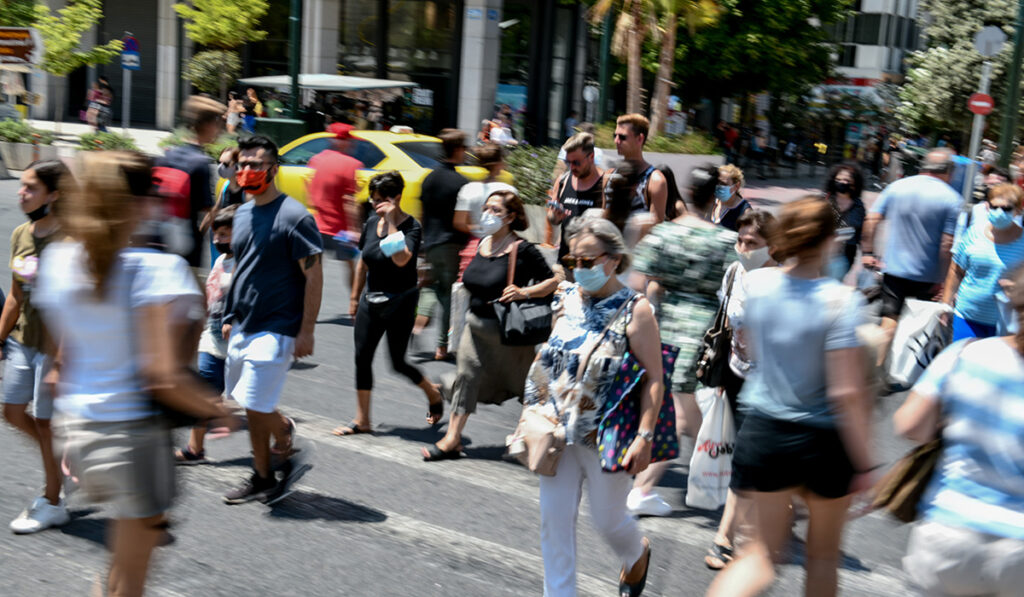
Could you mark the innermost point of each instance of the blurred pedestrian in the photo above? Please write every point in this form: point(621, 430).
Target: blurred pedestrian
point(983, 257)
point(236, 109)
point(110, 309)
point(843, 189)
point(921, 213)
point(597, 321)
point(332, 193)
point(969, 540)
point(388, 245)
point(489, 371)
point(26, 345)
point(442, 241)
point(269, 317)
point(651, 192)
point(684, 261)
point(213, 347)
point(729, 203)
point(571, 122)
point(754, 252)
point(578, 190)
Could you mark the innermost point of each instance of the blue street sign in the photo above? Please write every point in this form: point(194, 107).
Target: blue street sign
point(130, 59)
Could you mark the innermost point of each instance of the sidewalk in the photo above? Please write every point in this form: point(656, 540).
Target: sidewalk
point(146, 139)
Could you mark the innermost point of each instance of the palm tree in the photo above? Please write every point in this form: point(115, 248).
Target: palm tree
point(696, 14)
point(636, 18)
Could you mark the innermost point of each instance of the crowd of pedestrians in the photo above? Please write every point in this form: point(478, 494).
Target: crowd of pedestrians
point(103, 314)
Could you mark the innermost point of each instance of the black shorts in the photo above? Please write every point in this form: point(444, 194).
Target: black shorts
point(896, 291)
point(772, 455)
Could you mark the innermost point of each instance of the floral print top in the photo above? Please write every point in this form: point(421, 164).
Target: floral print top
point(689, 261)
point(552, 378)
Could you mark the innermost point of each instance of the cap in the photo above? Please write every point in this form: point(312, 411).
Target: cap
point(341, 130)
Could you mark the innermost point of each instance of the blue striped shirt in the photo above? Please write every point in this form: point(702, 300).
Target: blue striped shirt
point(984, 263)
point(979, 481)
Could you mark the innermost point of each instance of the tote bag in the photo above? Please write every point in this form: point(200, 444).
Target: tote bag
point(711, 463)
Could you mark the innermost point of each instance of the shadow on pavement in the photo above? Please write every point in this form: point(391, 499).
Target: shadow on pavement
point(798, 555)
point(343, 320)
point(423, 435)
point(91, 529)
point(303, 505)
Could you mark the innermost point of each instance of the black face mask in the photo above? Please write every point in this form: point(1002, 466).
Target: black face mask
point(223, 248)
point(843, 187)
point(38, 214)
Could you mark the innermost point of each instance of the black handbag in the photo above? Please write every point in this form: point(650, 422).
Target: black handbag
point(713, 356)
point(526, 322)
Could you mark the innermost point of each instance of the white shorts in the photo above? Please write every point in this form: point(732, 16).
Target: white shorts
point(257, 365)
point(23, 379)
point(945, 561)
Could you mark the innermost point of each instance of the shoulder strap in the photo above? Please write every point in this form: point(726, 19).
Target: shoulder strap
point(563, 182)
point(732, 278)
point(585, 358)
point(512, 258)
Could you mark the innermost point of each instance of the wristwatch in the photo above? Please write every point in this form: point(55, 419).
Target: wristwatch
point(647, 435)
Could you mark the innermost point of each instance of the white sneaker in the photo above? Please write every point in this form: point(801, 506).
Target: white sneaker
point(650, 504)
point(40, 515)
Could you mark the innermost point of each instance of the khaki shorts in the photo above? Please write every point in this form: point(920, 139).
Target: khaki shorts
point(946, 561)
point(128, 465)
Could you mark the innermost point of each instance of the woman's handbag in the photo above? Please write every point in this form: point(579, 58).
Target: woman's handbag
point(900, 490)
point(526, 322)
point(619, 424)
point(713, 354)
point(539, 438)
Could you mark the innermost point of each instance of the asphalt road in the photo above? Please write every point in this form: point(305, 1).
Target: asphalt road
point(372, 518)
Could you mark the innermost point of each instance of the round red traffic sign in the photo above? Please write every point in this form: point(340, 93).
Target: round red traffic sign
point(980, 103)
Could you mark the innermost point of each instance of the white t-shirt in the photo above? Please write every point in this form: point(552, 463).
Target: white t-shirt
point(472, 197)
point(100, 378)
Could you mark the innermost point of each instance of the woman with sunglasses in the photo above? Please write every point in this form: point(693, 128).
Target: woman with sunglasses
point(487, 370)
point(597, 320)
point(388, 247)
point(684, 261)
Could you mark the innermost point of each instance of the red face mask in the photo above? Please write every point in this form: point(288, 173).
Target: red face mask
point(254, 182)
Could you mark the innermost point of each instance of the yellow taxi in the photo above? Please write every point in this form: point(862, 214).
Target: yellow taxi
point(413, 155)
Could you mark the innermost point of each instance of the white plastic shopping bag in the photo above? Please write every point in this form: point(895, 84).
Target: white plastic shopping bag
point(459, 308)
point(920, 336)
point(711, 463)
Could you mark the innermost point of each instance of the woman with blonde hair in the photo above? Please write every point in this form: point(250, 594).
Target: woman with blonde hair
point(110, 307)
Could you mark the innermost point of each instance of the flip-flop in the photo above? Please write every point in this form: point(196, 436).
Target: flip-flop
point(718, 556)
point(351, 429)
point(434, 454)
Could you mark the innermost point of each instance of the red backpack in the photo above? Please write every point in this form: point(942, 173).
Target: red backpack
point(176, 187)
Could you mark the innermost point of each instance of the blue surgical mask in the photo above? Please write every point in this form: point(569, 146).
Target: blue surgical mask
point(1000, 218)
point(723, 192)
point(392, 243)
point(592, 279)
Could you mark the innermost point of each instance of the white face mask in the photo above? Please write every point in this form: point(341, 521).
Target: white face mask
point(751, 260)
point(489, 224)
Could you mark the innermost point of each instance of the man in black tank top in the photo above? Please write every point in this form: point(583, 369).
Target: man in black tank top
point(577, 190)
point(652, 190)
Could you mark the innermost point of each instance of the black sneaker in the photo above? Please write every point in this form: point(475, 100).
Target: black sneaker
point(254, 488)
point(287, 474)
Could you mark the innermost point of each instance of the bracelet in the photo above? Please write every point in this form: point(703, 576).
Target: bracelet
point(526, 293)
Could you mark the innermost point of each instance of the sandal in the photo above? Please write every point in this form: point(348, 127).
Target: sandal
point(435, 411)
point(718, 557)
point(352, 428)
point(636, 589)
point(434, 453)
point(187, 457)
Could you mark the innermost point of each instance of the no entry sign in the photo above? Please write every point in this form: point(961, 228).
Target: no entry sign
point(980, 103)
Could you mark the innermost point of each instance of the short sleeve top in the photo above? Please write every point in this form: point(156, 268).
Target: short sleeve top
point(382, 274)
point(984, 263)
point(25, 251)
point(486, 277)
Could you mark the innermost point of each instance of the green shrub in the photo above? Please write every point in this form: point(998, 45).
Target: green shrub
point(178, 136)
point(106, 142)
point(19, 131)
point(531, 167)
point(697, 143)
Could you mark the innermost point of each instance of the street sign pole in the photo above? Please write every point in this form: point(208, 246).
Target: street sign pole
point(978, 126)
point(129, 61)
point(126, 99)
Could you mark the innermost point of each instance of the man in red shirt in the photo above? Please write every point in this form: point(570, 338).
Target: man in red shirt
point(332, 192)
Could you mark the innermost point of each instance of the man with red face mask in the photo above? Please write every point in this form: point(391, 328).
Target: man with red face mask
point(269, 315)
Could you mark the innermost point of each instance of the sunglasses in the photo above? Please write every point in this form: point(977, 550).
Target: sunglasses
point(570, 262)
point(621, 136)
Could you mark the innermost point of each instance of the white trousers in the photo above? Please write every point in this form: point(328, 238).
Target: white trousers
point(560, 507)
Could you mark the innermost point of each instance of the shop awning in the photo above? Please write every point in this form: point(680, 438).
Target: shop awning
point(322, 82)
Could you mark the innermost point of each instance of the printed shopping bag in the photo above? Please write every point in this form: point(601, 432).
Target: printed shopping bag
point(920, 336)
point(711, 463)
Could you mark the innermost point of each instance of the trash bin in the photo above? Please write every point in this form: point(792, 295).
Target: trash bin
point(280, 130)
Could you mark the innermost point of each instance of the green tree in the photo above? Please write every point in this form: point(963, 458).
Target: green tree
point(62, 38)
point(942, 76)
point(221, 26)
point(635, 19)
point(17, 13)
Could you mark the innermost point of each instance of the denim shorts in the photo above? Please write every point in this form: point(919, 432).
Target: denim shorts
point(23, 378)
point(211, 369)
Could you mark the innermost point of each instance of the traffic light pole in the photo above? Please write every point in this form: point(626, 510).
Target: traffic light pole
point(1012, 106)
point(295, 53)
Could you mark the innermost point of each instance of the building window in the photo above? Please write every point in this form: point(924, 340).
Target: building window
point(357, 51)
point(848, 55)
point(867, 29)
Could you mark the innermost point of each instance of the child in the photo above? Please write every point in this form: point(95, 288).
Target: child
point(212, 346)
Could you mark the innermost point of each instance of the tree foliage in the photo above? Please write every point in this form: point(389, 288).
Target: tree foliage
point(213, 71)
point(17, 13)
point(942, 76)
point(62, 36)
point(223, 24)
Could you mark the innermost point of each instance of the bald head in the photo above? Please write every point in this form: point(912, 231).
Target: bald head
point(938, 163)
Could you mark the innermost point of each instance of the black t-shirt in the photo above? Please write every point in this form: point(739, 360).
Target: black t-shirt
point(193, 160)
point(486, 277)
point(439, 192)
point(268, 287)
point(731, 215)
point(576, 202)
point(382, 274)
